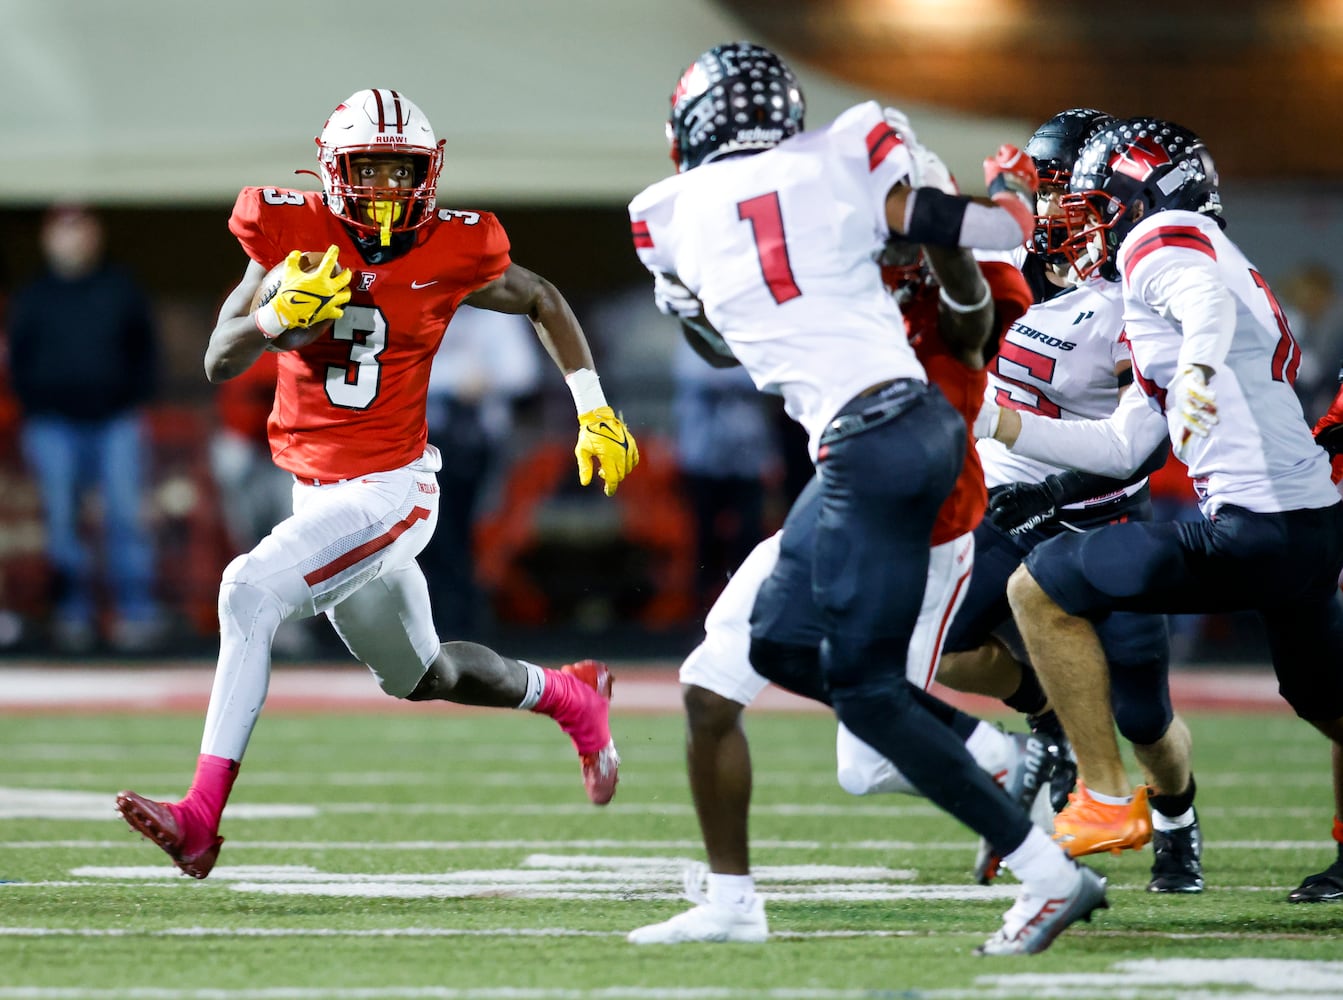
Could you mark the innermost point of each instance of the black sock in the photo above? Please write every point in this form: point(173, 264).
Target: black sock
point(1172, 806)
point(1029, 697)
point(1048, 724)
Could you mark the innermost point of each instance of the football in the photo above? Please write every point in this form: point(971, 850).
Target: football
point(291, 340)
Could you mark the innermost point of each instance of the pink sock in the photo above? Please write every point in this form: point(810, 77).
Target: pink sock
point(198, 813)
point(571, 703)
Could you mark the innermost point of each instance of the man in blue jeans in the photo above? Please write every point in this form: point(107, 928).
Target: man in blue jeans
point(84, 360)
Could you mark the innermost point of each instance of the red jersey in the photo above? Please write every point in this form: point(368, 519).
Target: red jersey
point(1333, 418)
point(353, 401)
point(964, 387)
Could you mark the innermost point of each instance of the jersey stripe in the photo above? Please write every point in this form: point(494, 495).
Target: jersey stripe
point(1188, 237)
point(359, 552)
point(880, 141)
point(643, 239)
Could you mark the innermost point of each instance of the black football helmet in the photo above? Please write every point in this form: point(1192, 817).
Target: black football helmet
point(735, 97)
point(1151, 161)
point(1054, 147)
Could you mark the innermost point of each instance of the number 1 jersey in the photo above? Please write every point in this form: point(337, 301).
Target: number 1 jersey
point(780, 246)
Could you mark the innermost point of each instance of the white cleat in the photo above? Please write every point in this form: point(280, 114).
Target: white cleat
point(1034, 920)
point(707, 921)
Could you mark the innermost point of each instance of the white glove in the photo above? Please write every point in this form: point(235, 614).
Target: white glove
point(986, 421)
point(1191, 408)
point(927, 168)
point(673, 298)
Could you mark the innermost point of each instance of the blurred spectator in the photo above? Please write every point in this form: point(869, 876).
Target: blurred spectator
point(486, 362)
point(727, 449)
point(255, 494)
point(84, 361)
point(1314, 309)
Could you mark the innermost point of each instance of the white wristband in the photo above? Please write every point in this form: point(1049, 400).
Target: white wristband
point(586, 389)
point(959, 307)
point(268, 321)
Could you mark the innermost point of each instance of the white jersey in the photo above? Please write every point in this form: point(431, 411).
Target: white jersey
point(1058, 360)
point(1260, 455)
point(780, 246)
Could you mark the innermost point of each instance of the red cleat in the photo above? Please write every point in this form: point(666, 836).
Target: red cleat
point(601, 767)
point(156, 821)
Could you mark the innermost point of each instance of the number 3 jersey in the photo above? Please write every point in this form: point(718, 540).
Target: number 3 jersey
point(780, 246)
point(353, 401)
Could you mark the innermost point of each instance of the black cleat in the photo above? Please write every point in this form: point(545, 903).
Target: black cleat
point(1322, 887)
point(1178, 862)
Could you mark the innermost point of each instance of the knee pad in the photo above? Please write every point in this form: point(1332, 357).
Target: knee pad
point(793, 668)
point(1142, 720)
point(245, 607)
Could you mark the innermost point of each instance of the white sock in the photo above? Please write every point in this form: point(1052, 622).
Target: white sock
point(536, 684)
point(1042, 865)
point(736, 891)
point(1110, 800)
point(991, 748)
point(1164, 823)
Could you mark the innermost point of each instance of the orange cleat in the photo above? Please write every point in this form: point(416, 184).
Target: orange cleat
point(1090, 827)
point(156, 821)
point(601, 767)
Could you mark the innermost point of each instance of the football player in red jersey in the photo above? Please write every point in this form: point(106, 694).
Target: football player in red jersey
point(349, 423)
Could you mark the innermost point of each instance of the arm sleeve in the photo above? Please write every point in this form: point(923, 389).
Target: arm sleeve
point(1116, 446)
point(953, 220)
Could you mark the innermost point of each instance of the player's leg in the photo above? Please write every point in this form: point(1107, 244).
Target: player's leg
point(1091, 572)
point(1137, 647)
point(982, 653)
point(1313, 685)
point(339, 538)
point(717, 683)
point(881, 489)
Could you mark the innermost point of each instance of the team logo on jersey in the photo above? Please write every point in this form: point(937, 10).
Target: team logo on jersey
point(363, 280)
point(1139, 159)
point(1083, 316)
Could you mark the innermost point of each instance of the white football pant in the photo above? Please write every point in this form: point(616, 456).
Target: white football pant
point(347, 551)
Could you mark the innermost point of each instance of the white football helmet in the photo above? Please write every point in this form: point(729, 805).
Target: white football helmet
point(374, 122)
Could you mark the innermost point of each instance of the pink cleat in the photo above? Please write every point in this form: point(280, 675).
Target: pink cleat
point(158, 822)
point(601, 767)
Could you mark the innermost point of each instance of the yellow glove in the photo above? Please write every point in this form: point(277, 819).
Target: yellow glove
point(602, 436)
point(305, 298)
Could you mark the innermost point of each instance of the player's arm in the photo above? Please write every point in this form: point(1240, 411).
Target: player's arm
point(965, 304)
point(235, 343)
point(601, 434)
point(1002, 221)
point(1020, 507)
point(673, 298)
point(1116, 446)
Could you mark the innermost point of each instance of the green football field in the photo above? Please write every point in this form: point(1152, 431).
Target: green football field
point(452, 854)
